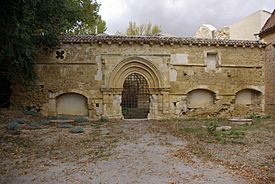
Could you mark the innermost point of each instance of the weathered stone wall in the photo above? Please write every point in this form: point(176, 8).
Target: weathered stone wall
point(97, 71)
point(270, 74)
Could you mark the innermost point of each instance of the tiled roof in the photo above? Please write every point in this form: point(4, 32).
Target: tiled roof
point(269, 26)
point(161, 40)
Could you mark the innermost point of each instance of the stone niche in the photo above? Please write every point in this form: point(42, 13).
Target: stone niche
point(247, 97)
point(72, 104)
point(200, 98)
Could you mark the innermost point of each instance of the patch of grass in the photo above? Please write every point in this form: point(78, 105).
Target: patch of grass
point(65, 125)
point(81, 120)
point(212, 127)
point(77, 130)
point(258, 118)
point(103, 119)
point(189, 130)
point(234, 136)
point(97, 126)
point(204, 130)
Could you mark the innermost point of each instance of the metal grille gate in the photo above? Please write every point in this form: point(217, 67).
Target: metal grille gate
point(135, 97)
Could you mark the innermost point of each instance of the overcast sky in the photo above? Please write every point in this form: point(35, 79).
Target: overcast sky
point(178, 17)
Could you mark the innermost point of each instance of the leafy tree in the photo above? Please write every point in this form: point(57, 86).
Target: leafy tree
point(99, 26)
point(28, 25)
point(143, 29)
point(88, 23)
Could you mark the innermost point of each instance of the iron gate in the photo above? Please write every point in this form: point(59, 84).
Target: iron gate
point(135, 97)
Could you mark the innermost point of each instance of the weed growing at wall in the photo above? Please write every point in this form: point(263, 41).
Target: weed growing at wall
point(103, 119)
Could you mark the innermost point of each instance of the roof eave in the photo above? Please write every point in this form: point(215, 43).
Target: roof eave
point(267, 31)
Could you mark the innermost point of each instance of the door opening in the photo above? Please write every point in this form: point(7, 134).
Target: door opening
point(135, 97)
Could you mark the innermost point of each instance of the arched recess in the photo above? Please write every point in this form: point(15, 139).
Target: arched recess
point(71, 104)
point(248, 96)
point(200, 98)
point(135, 65)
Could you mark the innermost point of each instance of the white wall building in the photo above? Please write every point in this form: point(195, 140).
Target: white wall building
point(246, 29)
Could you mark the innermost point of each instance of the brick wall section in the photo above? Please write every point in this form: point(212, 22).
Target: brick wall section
point(270, 74)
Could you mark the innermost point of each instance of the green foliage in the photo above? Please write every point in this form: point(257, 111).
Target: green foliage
point(13, 126)
point(234, 136)
point(19, 120)
point(258, 118)
point(81, 120)
point(103, 119)
point(144, 29)
point(30, 25)
point(212, 127)
point(65, 125)
point(31, 111)
point(44, 122)
point(98, 27)
point(34, 126)
point(189, 130)
point(223, 137)
point(77, 130)
point(38, 124)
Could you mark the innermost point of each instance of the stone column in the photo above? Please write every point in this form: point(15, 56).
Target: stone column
point(153, 107)
point(107, 103)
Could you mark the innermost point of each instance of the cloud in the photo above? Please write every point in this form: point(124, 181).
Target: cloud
point(178, 17)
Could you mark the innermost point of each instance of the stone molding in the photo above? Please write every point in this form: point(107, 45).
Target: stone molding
point(135, 65)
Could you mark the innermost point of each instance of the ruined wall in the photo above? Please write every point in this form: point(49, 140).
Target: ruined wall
point(97, 72)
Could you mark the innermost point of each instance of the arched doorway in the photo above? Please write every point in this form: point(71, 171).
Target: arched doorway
point(135, 97)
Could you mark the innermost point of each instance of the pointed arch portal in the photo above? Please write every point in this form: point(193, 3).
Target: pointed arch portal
point(135, 97)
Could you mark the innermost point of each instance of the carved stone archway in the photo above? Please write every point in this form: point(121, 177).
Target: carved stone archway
point(135, 65)
point(114, 87)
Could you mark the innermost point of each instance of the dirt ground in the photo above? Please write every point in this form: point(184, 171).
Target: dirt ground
point(132, 151)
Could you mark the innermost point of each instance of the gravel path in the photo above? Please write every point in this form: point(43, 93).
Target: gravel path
point(144, 157)
point(148, 158)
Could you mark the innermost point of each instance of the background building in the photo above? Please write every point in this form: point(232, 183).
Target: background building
point(246, 29)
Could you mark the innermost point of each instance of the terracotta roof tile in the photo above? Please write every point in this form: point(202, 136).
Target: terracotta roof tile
point(109, 39)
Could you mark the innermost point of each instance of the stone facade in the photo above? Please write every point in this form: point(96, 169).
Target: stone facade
point(267, 35)
point(186, 77)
